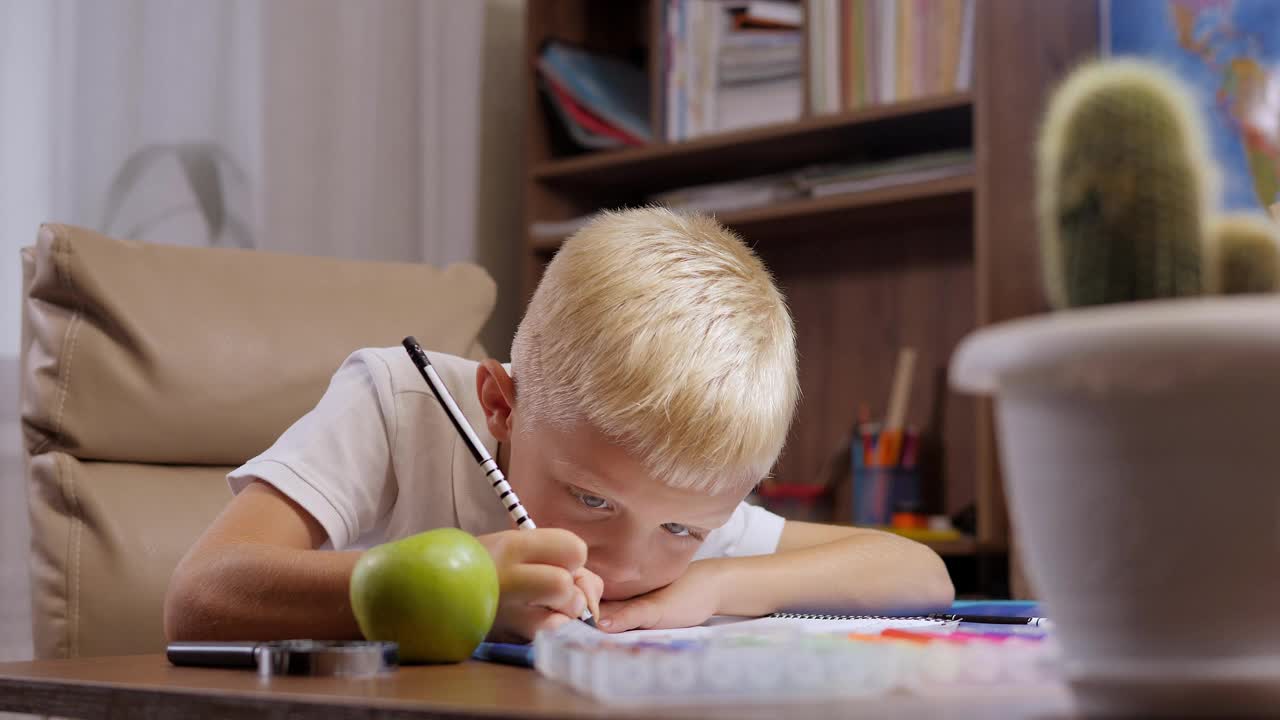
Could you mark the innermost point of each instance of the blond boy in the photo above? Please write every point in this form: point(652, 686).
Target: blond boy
point(651, 386)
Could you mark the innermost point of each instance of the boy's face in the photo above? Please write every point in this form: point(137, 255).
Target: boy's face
point(640, 533)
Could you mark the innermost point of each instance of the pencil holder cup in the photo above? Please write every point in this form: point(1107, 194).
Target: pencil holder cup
point(879, 492)
point(1142, 467)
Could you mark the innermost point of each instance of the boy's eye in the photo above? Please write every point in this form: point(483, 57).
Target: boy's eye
point(595, 502)
point(676, 529)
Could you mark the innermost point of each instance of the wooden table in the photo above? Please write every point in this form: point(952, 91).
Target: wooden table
point(148, 686)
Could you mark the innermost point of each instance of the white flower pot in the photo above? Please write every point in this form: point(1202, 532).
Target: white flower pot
point(1141, 454)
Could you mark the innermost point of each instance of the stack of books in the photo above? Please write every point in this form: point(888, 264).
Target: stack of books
point(813, 181)
point(871, 52)
point(721, 197)
point(601, 101)
point(823, 181)
point(730, 65)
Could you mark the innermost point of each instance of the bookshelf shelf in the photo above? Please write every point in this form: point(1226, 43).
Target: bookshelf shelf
point(797, 215)
point(944, 120)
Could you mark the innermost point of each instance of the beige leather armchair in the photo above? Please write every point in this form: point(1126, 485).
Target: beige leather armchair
point(149, 371)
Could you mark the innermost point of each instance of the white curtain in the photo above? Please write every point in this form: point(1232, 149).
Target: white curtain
point(350, 129)
point(371, 110)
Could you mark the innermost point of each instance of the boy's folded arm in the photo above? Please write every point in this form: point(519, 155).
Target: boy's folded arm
point(815, 568)
point(827, 567)
point(255, 575)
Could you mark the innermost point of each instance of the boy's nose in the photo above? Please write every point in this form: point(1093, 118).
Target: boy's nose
point(613, 569)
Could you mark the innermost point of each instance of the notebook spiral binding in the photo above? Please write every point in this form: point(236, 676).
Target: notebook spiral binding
point(821, 616)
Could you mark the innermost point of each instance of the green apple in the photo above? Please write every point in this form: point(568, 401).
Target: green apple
point(434, 593)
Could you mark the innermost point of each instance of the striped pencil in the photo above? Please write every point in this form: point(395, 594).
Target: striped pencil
point(506, 495)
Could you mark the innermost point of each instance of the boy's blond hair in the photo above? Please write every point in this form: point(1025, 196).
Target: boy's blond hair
point(667, 334)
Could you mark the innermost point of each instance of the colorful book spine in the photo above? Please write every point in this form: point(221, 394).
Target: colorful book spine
point(871, 50)
point(889, 51)
point(813, 21)
point(950, 13)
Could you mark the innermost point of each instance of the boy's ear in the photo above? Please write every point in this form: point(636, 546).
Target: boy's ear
point(497, 393)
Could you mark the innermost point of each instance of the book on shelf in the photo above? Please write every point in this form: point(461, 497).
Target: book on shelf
point(878, 182)
point(548, 229)
point(873, 52)
point(839, 179)
point(767, 14)
point(734, 195)
point(749, 105)
point(583, 126)
point(602, 101)
point(729, 65)
point(750, 56)
point(812, 181)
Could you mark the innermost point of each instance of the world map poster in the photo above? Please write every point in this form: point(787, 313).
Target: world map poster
point(1227, 52)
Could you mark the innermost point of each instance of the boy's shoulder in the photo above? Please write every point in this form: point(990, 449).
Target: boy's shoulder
point(395, 373)
point(410, 408)
point(434, 472)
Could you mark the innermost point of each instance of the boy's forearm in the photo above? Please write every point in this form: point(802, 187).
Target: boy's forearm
point(262, 592)
point(875, 572)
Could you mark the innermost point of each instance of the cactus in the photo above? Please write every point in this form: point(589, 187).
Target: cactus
point(1126, 187)
point(1245, 255)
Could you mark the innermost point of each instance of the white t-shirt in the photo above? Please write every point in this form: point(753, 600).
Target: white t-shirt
point(377, 459)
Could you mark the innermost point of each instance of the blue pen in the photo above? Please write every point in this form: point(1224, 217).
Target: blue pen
point(1004, 631)
point(504, 653)
point(1043, 623)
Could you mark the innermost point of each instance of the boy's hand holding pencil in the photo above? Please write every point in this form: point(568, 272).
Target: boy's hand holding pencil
point(542, 581)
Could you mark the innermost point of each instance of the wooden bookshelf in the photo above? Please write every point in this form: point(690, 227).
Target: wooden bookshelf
point(919, 264)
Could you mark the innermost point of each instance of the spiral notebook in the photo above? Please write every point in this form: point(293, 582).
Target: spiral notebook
point(817, 623)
